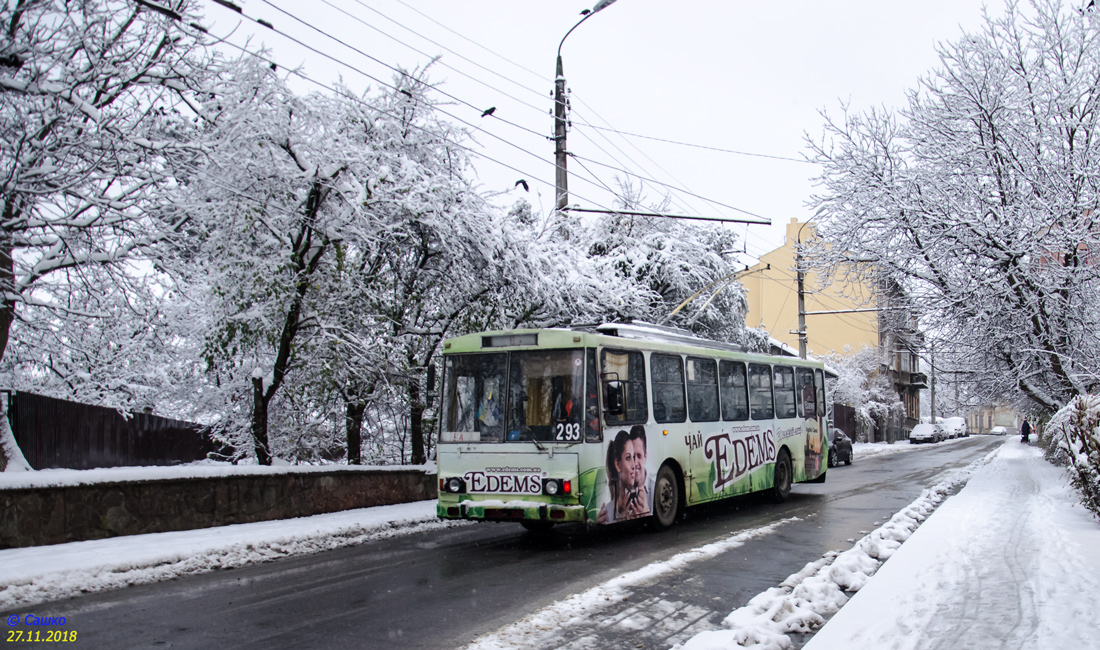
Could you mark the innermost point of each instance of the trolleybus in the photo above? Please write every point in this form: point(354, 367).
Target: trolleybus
point(619, 422)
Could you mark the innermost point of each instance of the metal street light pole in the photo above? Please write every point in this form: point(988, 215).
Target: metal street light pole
point(561, 176)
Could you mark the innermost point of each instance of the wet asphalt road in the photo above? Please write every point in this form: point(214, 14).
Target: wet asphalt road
point(445, 588)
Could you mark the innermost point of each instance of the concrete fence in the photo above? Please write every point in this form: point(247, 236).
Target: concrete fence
point(53, 515)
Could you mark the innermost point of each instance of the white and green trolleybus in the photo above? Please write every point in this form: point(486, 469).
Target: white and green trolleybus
point(618, 422)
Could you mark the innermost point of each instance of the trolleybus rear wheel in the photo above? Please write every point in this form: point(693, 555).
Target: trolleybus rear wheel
point(781, 477)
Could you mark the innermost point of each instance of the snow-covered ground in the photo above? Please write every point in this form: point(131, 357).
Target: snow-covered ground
point(1012, 560)
point(868, 449)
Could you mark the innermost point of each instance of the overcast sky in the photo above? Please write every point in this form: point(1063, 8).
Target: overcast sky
point(729, 74)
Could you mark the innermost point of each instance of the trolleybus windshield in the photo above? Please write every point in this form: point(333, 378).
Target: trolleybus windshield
point(533, 395)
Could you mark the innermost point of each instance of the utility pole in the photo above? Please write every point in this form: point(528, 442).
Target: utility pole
point(561, 176)
point(802, 342)
point(561, 106)
point(801, 303)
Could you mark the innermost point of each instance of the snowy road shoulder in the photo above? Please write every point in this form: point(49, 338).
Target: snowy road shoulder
point(1011, 561)
point(47, 573)
point(804, 601)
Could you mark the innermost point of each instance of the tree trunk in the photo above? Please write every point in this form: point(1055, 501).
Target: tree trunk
point(354, 424)
point(259, 422)
point(416, 423)
point(10, 454)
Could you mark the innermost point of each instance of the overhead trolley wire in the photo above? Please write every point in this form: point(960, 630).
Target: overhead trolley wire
point(399, 71)
point(444, 47)
point(542, 78)
point(325, 86)
point(657, 182)
point(697, 146)
point(683, 204)
point(609, 155)
point(433, 107)
point(379, 61)
point(599, 129)
point(503, 58)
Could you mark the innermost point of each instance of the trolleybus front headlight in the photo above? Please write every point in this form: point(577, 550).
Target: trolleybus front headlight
point(455, 485)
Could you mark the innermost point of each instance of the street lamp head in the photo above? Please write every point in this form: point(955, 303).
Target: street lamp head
point(600, 6)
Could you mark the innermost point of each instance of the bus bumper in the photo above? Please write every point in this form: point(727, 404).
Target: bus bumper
point(511, 511)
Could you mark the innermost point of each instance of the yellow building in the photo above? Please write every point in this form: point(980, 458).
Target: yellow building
point(772, 291)
point(841, 318)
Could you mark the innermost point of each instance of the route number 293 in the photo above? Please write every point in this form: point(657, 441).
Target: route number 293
point(568, 432)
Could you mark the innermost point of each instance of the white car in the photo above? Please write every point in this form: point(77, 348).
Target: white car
point(955, 427)
point(926, 432)
point(998, 431)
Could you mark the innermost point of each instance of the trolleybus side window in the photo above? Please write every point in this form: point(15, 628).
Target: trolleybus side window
point(668, 388)
point(545, 395)
point(784, 393)
point(735, 399)
point(760, 391)
point(624, 372)
point(821, 406)
point(474, 398)
point(807, 396)
point(702, 385)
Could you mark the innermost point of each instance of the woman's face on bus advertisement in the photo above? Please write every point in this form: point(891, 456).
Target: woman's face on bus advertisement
point(631, 464)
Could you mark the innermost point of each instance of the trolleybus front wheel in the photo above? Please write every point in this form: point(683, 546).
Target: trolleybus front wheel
point(666, 498)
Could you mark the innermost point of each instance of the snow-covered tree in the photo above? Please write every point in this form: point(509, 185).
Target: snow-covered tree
point(439, 253)
point(84, 86)
point(336, 242)
point(863, 384)
point(979, 198)
point(670, 271)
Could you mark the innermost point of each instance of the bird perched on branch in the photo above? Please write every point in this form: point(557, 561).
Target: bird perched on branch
point(489, 111)
point(526, 188)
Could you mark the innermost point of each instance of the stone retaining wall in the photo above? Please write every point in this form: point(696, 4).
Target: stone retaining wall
point(53, 515)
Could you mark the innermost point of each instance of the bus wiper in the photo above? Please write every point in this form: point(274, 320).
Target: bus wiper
point(531, 436)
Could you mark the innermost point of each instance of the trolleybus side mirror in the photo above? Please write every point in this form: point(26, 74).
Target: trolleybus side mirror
point(613, 397)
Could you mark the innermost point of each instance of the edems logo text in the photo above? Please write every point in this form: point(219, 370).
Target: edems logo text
point(480, 482)
point(733, 458)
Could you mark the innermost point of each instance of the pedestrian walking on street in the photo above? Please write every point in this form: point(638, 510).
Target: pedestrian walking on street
point(1025, 433)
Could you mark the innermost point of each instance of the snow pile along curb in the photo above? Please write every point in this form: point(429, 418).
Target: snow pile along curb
point(803, 601)
point(47, 573)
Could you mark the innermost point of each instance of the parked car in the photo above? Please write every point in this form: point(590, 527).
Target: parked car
point(840, 449)
point(955, 427)
point(998, 431)
point(926, 432)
